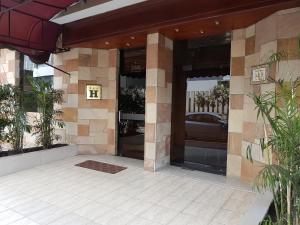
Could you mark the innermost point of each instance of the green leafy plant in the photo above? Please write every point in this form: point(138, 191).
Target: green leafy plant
point(13, 117)
point(200, 100)
point(5, 112)
point(280, 111)
point(281, 147)
point(49, 117)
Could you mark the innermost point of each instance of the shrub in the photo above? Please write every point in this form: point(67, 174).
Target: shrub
point(46, 97)
point(13, 117)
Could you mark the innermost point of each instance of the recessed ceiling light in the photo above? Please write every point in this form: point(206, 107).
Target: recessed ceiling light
point(202, 32)
point(217, 22)
point(127, 44)
point(176, 30)
point(107, 43)
point(132, 37)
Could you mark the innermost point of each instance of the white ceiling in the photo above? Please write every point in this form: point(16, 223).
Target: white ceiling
point(95, 10)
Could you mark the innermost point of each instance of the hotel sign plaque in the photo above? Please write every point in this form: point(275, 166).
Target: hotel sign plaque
point(260, 74)
point(93, 92)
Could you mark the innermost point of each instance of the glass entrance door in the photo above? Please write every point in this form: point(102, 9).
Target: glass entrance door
point(132, 103)
point(200, 103)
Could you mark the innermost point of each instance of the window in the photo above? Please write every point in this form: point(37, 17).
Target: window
point(30, 70)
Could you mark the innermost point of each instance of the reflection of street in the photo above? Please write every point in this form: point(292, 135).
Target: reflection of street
point(211, 154)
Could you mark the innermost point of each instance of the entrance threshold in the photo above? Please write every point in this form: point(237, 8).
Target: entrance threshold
point(204, 168)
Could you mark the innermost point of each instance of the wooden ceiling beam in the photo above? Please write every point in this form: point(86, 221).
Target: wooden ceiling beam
point(178, 19)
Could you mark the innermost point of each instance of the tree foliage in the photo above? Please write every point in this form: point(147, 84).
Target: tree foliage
point(50, 117)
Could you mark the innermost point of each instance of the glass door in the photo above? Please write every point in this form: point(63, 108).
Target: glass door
point(132, 103)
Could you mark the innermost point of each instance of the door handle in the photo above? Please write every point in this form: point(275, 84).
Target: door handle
point(120, 111)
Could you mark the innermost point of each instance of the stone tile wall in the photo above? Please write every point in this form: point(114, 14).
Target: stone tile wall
point(9, 67)
point(91, 124)
point(250, 47)
point(158, 101)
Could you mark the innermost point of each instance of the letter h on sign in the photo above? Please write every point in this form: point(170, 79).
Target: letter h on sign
point(93, 92)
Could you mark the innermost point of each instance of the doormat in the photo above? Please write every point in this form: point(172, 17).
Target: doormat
point(100, 166)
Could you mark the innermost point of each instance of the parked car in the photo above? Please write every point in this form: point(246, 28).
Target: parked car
point(206, 126)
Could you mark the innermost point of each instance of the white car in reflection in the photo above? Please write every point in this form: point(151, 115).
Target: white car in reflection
point(206, 126)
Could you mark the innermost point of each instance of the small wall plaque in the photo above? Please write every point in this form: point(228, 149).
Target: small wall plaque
point(260, 74)
point(93, 92)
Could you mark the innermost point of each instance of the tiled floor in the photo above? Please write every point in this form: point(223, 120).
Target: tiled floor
point(61, 193)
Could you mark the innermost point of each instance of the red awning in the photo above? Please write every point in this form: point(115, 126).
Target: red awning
point(25, 26)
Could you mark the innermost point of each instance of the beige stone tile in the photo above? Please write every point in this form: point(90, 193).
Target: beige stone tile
point(250, 45)
point(235, 143)
point(234, 165)
point(237, 66)
point(152, 38)
point(87, 51)
point(112, 73)
point(287, 26)
point(164, 95)
point(155, 77)
point(164, 112)
point(100, 139)
point(235, 121)
point(236, 101)
point(111, 137)
point(238, 48)
point(72, 54)
point(71, 128)
point(163, 130)
point(288, 70)
point(168, 43)
point(248, 89)
point(83, 130)
point(84, 122)
point(288, 11)
point(84, 73)
point(150, 132)
point(250, 114)
point(86, 113)
point(103, 58)
point(70, 114)
point(91, 149)
point(151, 94)
point(149, 165)
point(256, 152)
point(265, 88)
point(99, 72)
point(98, 125)
point(57, 82)
point(150, 150)
point(252, 60)
point(266, 31)
point(289, 46)
point(250, 31)
point(151, 113)
point(58, 59)
point(71, 101)
point(250, 170)
point(249, 131)
point(237, 85)
point(267, 50)
point(85, 140)
point(74, 77)
point(111, 120)
point(238, 34)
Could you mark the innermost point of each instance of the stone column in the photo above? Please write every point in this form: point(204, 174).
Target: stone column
point(158, 101)
point(113, 72)
point(90, 124)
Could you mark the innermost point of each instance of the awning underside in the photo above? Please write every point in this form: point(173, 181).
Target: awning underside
point(25, 26)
